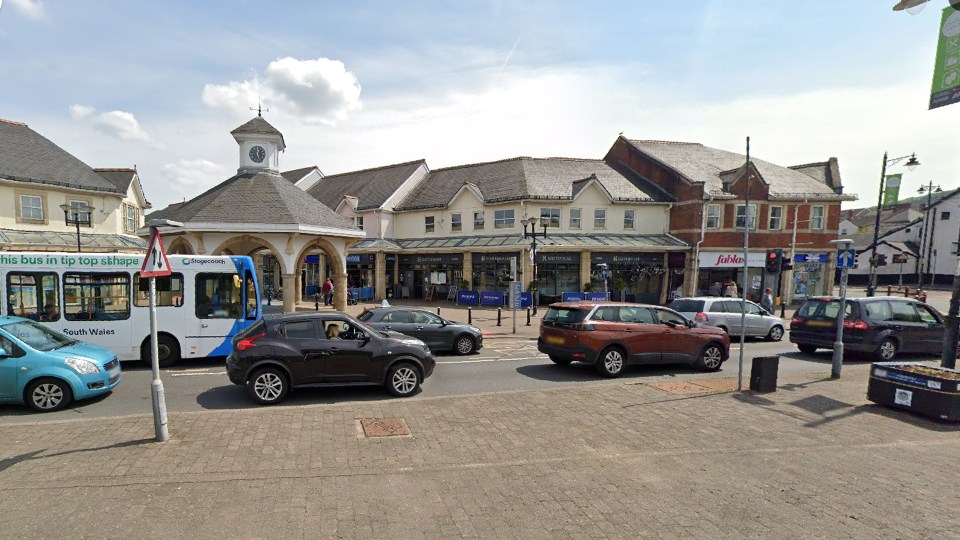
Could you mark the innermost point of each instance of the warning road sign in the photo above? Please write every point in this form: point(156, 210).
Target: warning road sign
point(155, 264)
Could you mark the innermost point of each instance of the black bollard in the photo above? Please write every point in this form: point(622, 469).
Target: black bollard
point(469, 315)
point(528, 316)
point(438, 311)
point(498, 316)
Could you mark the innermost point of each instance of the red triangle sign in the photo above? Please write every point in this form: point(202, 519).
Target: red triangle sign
point(155, 264)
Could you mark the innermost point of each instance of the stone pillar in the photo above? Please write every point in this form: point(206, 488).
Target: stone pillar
point(689, 267)
point(467, 269)
point(322, 268)
point(340, 291)
point(380, 277)
point(585, 269)
point(289, 293)
point(299, 292)
point(526, 275)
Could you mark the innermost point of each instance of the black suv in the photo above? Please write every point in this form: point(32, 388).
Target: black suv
point(882, 326)
point(278, 353)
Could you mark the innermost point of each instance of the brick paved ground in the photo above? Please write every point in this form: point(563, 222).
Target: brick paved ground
point(814, 460)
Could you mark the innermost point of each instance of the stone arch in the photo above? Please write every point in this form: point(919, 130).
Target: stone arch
point(335, 261)
point(224, 248)
point(180, 246)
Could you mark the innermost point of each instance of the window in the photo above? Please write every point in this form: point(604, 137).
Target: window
point(877, 311)
point(31, 207)
point(669, 317)
point(428, 224)
point(636, 315)
point(396, 317)
point(816, 217)
point(424, 317)
point(33, 295)
point(358, 222)
point(550, 217)
point(776, 218)
point(600, 218)
point(84, 217)
point(628, 218)
point(169, 291)
point(606, 313)
point(478, 221)
point(219, 296)
point(300, 330)
point(574, 218)
point(503, 219)
point(713, 216)
point(741, 214)
point(944, 216)
point(36, 336)
point(926, 315)
point(342, 330)
point(904, 312)
point(456, 222)
point(131, 218)
point(96, 297)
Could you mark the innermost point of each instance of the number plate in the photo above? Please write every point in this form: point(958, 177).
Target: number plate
point(554, 340)
point(819, 323)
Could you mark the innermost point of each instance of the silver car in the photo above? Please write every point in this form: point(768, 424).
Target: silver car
point(725, 313)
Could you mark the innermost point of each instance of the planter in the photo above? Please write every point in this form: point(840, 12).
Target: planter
point(930, 391)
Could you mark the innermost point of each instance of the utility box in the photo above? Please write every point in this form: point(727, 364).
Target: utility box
point(763, 373)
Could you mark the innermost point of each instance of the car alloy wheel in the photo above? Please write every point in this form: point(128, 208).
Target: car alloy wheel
point(403, 380)
point(48, 395)
point(887, 350)
point(611, 363)
point(712, 357)
point(268, 386)
point(464, 345)
point(776, 333)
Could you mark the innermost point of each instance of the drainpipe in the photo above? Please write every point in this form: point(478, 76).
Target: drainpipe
point(703, 232)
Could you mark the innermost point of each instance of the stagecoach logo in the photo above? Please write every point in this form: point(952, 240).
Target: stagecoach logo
point(187, 261)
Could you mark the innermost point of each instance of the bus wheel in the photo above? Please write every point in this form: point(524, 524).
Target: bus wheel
point(168, 351)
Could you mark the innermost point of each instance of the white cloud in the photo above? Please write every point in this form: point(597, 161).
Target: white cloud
point(119, 124)
point(315, 91)
point(186, 178)
point(31, 9)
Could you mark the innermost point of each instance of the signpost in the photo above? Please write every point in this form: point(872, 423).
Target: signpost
point(155, 265)
point(804, 258)
point(516, 298)
point(846, 258)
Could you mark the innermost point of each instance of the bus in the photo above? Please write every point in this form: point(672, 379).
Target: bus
point(101, 298)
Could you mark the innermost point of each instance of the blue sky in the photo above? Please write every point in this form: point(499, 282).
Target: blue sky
point(361, 84)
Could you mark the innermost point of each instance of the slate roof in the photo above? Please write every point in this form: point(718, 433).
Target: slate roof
point(258, 125)
point(120, 178)
point(371, 187)
point(260, 198)
point(296, 175)
point(531, 178)
point(29, 157)
point(703, 164)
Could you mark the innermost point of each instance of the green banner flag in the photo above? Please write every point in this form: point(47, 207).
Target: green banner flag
point(946, 72)
point(891, 193)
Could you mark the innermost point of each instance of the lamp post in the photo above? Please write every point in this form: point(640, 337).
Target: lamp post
point(77, 219)
point(532, 234)
point(930, 222)
point(910, 165)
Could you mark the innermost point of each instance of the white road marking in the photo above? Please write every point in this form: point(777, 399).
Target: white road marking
point(492, 360)
point(193, 373)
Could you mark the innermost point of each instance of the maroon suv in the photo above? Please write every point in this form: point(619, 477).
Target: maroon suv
point(614, 335)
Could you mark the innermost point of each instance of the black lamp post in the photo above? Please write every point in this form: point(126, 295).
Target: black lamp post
point(533, 234)
point(929, 189)
point(77, 215)
point(910, 165)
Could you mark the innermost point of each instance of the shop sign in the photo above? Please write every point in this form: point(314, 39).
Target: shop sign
point(626, 258)
point(312, 259)
point(571, 297)
point(729, 259)
point(494, 258)
point(491, 298)
point(468, 297)
point(677, 259)
point(557, 258)
point(357, 258)
point(438, 258)
point(391, 258)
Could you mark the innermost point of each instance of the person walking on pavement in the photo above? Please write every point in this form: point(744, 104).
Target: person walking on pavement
point(715, 289)
point(731, 289)
point(327, 292)
point(766, 301)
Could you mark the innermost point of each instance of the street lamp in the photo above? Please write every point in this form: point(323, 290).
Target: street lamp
point(78, 212)
point(929, 189)
point(532, 234)
point(911, 164)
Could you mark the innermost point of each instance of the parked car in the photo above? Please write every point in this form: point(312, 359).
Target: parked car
point(614, 335)
point(48, 370)
point(279, 353)
point(725, 313)
point(438, 333)
point(882, 326)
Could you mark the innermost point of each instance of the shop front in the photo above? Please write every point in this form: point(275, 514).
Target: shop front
point(557, 273)
point(676, 263)
point(361, 269)
point(631, 277)
point(718, 268)
point(435, 273)
point(491, 271)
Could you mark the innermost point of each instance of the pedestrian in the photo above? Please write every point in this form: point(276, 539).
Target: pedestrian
point(715, 289)
point(731, 289)
point(327, 292)
point(766, 301)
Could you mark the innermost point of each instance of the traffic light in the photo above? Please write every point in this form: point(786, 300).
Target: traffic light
point(881, 259)
point(774, 260)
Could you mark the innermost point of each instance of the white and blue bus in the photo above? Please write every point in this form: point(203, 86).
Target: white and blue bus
point(101, 298)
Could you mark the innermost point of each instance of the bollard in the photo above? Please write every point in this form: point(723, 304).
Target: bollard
point(889, 288)
point(469, 315)
point(316, 303)
point(528, 316)
point(906, 292)
point(498, 316)
point(534, 310)
point(438, 311)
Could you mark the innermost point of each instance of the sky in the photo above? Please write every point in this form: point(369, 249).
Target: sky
point(354, 85)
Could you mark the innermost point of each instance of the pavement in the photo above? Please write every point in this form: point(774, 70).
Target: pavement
point(622, 459)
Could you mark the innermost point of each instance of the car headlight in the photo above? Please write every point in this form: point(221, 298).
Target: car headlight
point(82, 366)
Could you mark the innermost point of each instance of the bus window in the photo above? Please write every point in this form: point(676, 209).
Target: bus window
point(34, 295)
point(96, 296)
point(251, 291)
point(169, 291)
point(219, 296)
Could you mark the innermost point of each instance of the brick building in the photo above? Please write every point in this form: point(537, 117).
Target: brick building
point(795, 208)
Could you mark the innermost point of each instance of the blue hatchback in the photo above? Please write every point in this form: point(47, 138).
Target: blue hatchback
point(47, 370)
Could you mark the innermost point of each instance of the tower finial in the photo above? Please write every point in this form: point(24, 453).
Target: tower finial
point(259, 109)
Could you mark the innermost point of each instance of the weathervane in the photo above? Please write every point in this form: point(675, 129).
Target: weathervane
point(259, 109)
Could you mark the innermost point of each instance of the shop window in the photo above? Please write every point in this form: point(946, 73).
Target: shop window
point(816, 217)
point(944, 216)
point(428, 225)
point(629, 217)
point(575, 218)
point(600, 218)
point(776, 218)
point(456, 222)
point(33, 295)
point(741, 216)
point(96, 297)
point(550, 217)
point(503, 219)
point(219, 296)
point(169, 291)
point(478, 221)
point(713, 216)
point(31, 207)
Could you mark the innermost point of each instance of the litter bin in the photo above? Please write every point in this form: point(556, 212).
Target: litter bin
point(763, 373)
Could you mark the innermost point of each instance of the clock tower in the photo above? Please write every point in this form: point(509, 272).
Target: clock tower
point(260, 146)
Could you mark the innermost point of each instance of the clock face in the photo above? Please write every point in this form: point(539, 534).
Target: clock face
point(257, 154)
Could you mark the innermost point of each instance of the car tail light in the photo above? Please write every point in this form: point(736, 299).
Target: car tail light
point(797, 320)
point(855, 324)
point(247, 343)
point(701, 317)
